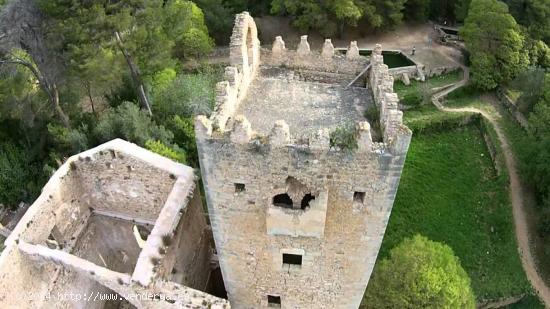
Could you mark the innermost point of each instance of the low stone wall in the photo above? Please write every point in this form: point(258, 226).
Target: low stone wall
point(512, 108)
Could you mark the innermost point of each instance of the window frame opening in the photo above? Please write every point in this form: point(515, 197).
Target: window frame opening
point(359, 197)
point(239, 187)
point(273, 301)
point(283, 200)
point(292, 259)
point(306, 201)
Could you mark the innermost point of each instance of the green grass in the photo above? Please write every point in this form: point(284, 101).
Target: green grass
point(513, 94)
point(427, 118)
point(519, 143)
point(402, 90)
point(449, 192)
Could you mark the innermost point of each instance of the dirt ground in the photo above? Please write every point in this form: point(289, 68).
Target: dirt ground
point(403, 37)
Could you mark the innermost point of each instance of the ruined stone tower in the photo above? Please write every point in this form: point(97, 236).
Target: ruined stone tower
point(298, 216)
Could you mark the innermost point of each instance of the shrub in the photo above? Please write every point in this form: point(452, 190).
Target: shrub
point(187, 95)
point(127, 121)
point(68, 141)
point(343, 137)
point(19, 176)
point(173, 153)
point(184, 137)
point(420, 274)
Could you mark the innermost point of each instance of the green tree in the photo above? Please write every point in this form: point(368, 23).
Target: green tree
point(173, 153)
point(330, 17)
point(128, 122)
point(418, 10)
point(145, 36)
point(534, 15)
point(538, 153)
point(420, 274)
point(18, 175)
point(495, 43)
point(461, 9)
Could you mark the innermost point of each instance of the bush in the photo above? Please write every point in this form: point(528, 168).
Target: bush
point(187, 95)
point(173, 153)
point(68, 141)
point(343, 137)
point(184, 137)
point(19, 177)
point(420, 274)
point(128, 122)
point(194, 43)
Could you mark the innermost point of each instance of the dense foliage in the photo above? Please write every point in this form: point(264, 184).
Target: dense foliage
point(420, 274)
point(495, 43)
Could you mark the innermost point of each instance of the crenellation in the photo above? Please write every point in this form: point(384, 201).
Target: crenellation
point(280, 134)
point(328, 49)
point(353, 51)
point(303, 47)
point(242, 130)
point(278, 48)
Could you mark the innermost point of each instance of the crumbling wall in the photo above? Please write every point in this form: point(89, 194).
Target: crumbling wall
point(64, 252)
point(118, 184)
point(192, 248)
point(245, 59)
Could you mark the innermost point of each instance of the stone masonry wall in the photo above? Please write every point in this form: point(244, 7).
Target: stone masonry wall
point(139, 186)
point(339, 233)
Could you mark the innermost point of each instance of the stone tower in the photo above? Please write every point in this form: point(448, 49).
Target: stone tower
point(298, 216)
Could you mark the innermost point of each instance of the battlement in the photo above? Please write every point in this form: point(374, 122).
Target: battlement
point(299, 97)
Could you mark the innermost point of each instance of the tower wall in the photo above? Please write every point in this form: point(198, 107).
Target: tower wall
point(337, 234)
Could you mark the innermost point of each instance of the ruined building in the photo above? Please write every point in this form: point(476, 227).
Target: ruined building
point(298, 216)
point(300, 162)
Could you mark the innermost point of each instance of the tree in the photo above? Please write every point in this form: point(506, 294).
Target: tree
point(21, 29)
point(534, 15)
point(495, 43)
point(461, 9)
point(147, 36)
point(420, 274)
point(418, 10)
point(538, 153)
point(330, 17)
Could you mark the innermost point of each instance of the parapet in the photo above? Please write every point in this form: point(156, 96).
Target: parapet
point(300, 65)
point(391, 118)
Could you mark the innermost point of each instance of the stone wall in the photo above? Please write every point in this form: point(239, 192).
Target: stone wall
point(349, 194)
point(77, 238)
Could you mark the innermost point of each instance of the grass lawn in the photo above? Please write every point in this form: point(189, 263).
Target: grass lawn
point(450, 193)
point(402, 90)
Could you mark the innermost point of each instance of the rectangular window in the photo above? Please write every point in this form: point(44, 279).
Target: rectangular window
point(292, 259)
point(359, 197)
point(239, 187)
point(274, 301)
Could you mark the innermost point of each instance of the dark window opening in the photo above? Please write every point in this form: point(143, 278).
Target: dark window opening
point(306, 200)
point(359, 197)
point(273, 301)
point(240, 187)
point(294, 259)
point(282, 200)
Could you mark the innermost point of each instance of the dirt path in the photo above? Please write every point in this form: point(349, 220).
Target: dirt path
point(516, 189)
